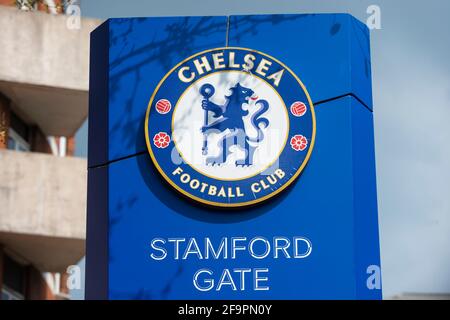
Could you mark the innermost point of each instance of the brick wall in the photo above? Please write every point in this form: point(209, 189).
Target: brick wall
point(36, 286)
point(70, 146)
point(7, 2)
point(38, 141)
point(4, 121)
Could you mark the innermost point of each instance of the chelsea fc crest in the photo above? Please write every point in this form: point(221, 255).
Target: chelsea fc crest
point(230, 127)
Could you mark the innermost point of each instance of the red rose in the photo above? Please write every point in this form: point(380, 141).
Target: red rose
point(161, 140)
point(299, 142)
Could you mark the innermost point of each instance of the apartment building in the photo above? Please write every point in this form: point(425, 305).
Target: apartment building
point(43, 102)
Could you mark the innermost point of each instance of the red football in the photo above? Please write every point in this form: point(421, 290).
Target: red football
point(163, 106)
point(298, 109)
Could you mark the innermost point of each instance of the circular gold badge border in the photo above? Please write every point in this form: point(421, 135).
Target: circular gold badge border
point(241, 204)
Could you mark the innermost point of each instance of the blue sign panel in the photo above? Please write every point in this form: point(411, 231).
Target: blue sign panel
point(197, 125)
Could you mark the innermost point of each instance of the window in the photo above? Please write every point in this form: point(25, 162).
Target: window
point(13, 280)
point(16, 142)
point(10, 294)
point(18, 134)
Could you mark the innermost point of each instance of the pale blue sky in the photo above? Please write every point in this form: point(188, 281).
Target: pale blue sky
point(411, 85)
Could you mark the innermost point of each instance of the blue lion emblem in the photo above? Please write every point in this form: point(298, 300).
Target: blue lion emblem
point(230, 116)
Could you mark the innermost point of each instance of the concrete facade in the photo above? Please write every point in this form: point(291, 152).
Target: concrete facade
point(43, 199)
point(44, 68)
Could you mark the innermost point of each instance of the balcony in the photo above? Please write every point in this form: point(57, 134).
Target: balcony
point(42, 208)
point(43, 68)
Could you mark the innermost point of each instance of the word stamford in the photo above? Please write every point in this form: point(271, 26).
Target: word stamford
point(230, 248)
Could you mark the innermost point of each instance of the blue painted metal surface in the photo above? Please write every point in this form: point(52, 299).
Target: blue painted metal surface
point(330, 52)
point(139, 52)
point(333, 203)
